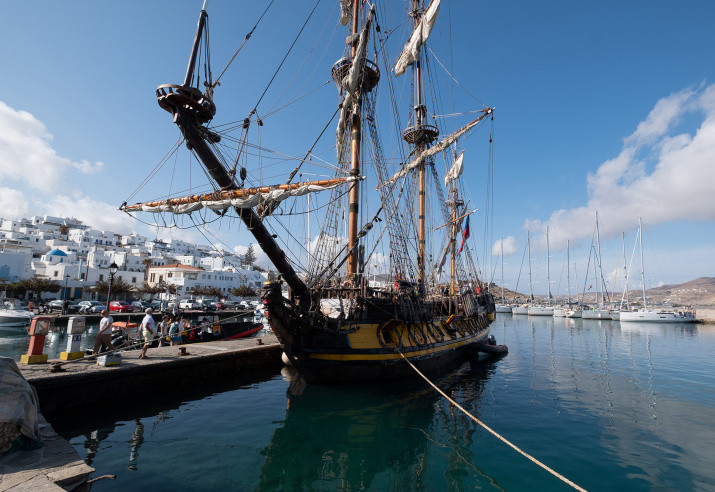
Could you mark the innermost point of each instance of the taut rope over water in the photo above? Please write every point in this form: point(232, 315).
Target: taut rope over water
point(492, 431)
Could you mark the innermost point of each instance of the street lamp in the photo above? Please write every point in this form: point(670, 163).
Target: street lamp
point(112, 271)
point(67, 292)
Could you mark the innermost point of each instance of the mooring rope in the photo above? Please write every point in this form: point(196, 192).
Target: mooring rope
point(492, 431)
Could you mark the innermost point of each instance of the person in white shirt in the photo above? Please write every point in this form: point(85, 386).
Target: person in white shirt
point(148, 331)
point(104, 335)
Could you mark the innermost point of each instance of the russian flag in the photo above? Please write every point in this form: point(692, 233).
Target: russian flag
point(465, 235)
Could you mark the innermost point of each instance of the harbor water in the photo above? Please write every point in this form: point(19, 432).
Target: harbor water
point(609, 406)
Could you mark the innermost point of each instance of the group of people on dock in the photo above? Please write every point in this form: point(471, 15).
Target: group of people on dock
point(173, 330)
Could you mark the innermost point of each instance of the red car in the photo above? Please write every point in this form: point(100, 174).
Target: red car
point(121, 306)
point(218, 305)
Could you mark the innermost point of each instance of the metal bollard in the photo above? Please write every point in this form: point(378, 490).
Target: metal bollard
point(75, 329)
point(39, 328)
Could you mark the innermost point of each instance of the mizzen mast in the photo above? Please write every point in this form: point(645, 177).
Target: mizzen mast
point(191, 109)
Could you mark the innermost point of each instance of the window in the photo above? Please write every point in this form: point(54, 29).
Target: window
point(134, 280)
point(56, 274)
point(101, 276)
point(81, 275)
point(152, 277)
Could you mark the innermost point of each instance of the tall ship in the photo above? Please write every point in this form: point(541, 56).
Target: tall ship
point(403, 214)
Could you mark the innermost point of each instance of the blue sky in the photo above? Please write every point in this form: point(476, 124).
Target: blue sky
point(621, 92)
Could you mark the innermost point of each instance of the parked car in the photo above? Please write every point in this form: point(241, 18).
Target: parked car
point(206, 304)
point(121, 306)
point(188, 304)
point(219, 305)
point(56, 305)
point(86, 307)
point(231, 304)
point(140, 305)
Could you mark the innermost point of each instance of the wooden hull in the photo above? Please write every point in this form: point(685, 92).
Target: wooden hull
point(371, 350)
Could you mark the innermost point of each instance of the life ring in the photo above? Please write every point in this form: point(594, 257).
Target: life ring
point(388, 336)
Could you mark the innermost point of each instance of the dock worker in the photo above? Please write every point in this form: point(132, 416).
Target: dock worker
point(148, 331)
point(104, 335)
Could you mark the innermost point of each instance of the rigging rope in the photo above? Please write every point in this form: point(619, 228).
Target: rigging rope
point(248, 36)
point(492, 431)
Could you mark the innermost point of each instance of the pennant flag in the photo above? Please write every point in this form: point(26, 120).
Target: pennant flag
point(465, 235)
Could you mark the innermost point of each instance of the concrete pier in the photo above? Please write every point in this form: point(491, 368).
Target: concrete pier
point(84, 384)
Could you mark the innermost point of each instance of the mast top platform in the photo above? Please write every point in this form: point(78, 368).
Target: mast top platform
point(371, 73)
point(174, 98)
point(420, 134)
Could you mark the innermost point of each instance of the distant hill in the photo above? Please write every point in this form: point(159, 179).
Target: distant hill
point(698, 292)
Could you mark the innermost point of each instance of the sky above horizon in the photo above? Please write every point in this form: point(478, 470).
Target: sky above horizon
point(606, 107)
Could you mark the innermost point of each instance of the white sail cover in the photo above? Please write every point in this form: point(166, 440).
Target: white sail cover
point(456, 170)
point(350, 82)
point(249, 201)
point(345, 11)
point(436, 149)
point(410, 53)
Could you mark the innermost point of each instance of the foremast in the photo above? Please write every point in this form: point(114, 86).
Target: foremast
point(192, 109)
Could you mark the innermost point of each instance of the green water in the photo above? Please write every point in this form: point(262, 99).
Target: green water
point(626, 407)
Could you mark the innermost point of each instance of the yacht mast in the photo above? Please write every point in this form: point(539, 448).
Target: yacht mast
point(531, 289)
point(598, 253)
point(625, 268)
point(502, 270)
point(640, 234)
point(548, 274)
point(568, 273)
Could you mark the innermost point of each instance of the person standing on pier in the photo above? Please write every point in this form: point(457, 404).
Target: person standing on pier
point(104, 335)
point(148, 330)
point(163, 329)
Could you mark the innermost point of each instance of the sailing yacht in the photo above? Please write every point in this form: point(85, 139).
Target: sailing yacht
point(568, 311)
point(502, 307)
point(599, 311)
point(652, 315)
point(547, 310)
point(523, 309)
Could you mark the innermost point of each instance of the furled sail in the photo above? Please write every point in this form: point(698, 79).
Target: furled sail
point(351, 82)
point(345, 11)
point(242, 198)
point(456, 170)
point(436, 149)
point(410, 53)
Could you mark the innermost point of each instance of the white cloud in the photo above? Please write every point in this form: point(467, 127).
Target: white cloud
point(26, 154)
point(13, 204)
point(92, 212)
point(509, 246)
point(680, 184)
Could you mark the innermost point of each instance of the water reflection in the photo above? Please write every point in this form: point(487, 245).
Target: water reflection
point(374, 437)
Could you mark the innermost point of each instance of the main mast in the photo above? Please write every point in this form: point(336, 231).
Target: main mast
point(191, 110)
point(548, 269)
point(354, 197)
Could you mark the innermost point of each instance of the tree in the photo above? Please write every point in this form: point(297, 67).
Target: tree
point(120, 288)
point(64, 229)
point(243, 291)
point(147, 262)
point(249, 257)
point(149, 289)
point(164, 287)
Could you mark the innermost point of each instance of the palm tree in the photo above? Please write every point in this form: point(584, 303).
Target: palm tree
point(147, 262)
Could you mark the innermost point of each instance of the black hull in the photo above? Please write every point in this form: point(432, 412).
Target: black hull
point(334, 350)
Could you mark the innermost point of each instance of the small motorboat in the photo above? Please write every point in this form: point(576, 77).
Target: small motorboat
point(13, 314)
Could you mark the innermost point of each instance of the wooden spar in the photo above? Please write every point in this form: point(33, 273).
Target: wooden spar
point(417, 74)
point(231, 194)
point(188, 118)
point(354, 197)
point(454, 220)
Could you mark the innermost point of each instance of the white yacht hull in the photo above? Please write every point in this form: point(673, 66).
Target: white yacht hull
point(14, 319)
point(616, 315)
point(657, 317)
point(573, 313)
point(520, 310)
point(559, 312)
point(595, 314)
point(503, 308)
point(541, 311)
